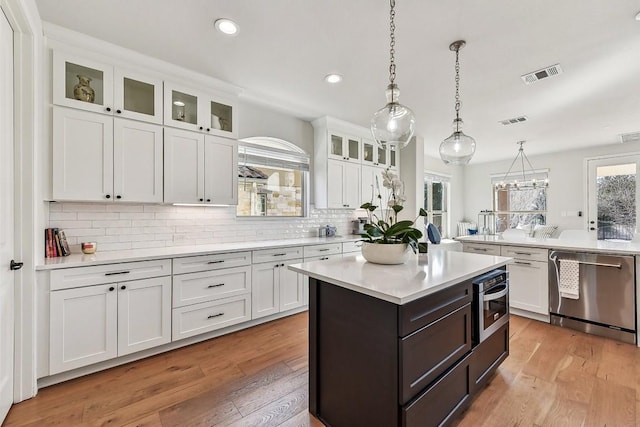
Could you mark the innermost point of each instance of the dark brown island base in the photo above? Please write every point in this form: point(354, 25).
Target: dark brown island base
point(374, 362)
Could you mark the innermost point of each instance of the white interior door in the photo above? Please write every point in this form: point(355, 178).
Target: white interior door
point(7, 215)
point(613, 197)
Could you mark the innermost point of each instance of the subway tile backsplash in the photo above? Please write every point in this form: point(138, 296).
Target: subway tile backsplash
point(135, 226)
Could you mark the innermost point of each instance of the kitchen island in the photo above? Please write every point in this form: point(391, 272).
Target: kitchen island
point(391, 345)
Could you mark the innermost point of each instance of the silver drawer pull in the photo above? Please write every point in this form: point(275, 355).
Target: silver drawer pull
point(216, 286)
point(279, 254)
point(324, 258)
point(480, 249)
point(523, 253)
point(215, 315)
point(522, 263)
point(216, 262)
point(324, 250)
point(113, 273)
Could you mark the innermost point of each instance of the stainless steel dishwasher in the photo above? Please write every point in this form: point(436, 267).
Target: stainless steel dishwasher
point(606, 303)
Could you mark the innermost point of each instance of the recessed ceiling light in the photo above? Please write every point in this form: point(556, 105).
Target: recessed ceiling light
point(333, 78)
point(638, 16)
point(226, 26)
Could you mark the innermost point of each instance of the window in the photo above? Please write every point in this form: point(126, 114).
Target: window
point(436, 201)
point(272, 178)
point(521, 205)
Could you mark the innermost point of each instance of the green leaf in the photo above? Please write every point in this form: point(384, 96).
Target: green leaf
point(365, 206)
point(397, 208)
point(423, 212)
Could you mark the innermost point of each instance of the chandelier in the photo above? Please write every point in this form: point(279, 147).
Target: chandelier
point(393, 125)
point(458, 148)
point(528, 178)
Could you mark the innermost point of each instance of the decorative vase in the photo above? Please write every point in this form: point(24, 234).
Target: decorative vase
point(215, 122)
point(380, 253)
point(83, 90)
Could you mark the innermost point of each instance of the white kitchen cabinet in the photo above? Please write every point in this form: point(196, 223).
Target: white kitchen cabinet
point(343, 185)
point(100, 158)
point(344, 147)
point(528, 281)
point(481, 248)
point(374, 155)
point(94, 86)
point(368, 189)
point(96, 323)
point(200, 111)
point(199, 168)
point(275, 288)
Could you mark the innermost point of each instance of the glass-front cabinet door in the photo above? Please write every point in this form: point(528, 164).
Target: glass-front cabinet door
point(342, 147)
point(393, 159)
point(81, 83)
point(369, 152)
point(383, 155)
point(192, 109)
point(137, 96)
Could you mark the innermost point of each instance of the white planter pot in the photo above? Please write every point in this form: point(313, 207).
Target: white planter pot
point(378, 253)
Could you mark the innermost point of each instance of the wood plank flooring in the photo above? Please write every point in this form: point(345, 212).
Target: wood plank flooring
point(258, 377)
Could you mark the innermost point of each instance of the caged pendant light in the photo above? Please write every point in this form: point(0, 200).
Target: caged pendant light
point(528, 177)
point(458, 148)
point(393, 125)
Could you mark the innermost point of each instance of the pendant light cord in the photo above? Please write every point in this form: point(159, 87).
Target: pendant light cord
point(457, 106)
point(392, 45)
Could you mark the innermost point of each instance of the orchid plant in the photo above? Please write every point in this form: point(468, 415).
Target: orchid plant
point(385, 227)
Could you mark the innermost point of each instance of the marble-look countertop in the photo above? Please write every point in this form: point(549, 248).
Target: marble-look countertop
point(597, 246)
point(400, 284)
point(111, 257)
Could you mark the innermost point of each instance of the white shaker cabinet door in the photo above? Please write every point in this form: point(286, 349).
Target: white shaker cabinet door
point(138, 164)
point(351, 186)
point(83, 327)
point(291, 287)
point(265, 291)
point(144, 314)
point(183, 166)
point(82, 155)
point(335, 183)
point(221, 171)
point(529, 286)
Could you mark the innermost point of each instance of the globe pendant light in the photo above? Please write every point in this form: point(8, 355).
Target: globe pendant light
point(459, 148)
point(392, 126)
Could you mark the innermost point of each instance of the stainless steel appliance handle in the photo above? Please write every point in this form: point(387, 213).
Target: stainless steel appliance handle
point(599, 264)
point(495, 295)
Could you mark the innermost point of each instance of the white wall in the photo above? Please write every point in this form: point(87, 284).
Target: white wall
point(567, 182)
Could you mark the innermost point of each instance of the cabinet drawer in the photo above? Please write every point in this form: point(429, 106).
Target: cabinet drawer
point(193, 288)
point(481, 248)
point(68, 278)
point(321, 250)
point(206, 317)
point(423, 311)
point(193, 264)
point(323, 257)
point(348, 247)
point(443, 401)
point(422, 362)
point(487, 356)
point(525, 253)
point(270, 255)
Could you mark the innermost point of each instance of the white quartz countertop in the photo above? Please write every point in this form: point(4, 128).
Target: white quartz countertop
point(598, 246)
point(111, 257)
point(400, 284)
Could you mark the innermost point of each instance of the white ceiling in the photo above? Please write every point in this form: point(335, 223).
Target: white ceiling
point(286, 47)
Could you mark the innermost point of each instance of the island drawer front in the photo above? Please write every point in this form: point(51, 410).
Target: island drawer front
point(323, 257)
point(525, 253)
point(443, 401)
point(487, 356)
point(270, 255)
point(480, 248)
point(68, 278)
point(206, 317)
point(320, 250)
point(422, 362)
point(348, 247)
point(416, 314)
point(204, 286)
point(194, 264)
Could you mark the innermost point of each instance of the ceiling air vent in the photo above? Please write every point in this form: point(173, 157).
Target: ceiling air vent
point(513, 121)
point(630, 137)
point(550, 71)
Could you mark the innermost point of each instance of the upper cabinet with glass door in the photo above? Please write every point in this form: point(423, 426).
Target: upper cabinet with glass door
point(374, 155)
point(344, 147)
point(201, 111)
point(93, 86)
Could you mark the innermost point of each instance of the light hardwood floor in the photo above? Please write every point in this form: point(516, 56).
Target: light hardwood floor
point(553, 377)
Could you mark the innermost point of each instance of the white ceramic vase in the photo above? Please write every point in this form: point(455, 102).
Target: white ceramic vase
point(379, 253)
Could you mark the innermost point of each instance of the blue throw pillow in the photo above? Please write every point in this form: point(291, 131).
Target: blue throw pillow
point(433, 234)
